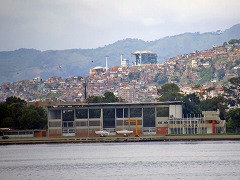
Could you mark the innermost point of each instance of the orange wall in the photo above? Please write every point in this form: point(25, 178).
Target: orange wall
point(55, 135)
point(162, 130)
point(40, 133)
point(213, 126)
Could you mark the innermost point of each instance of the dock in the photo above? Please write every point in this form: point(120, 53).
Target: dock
point(112, 139)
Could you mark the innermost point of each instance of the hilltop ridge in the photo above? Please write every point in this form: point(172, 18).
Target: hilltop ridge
point(23, 64)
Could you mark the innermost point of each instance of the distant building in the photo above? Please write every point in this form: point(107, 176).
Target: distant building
point(128, 94)
point(145, 57)
point(97, 70)
point(124, 62)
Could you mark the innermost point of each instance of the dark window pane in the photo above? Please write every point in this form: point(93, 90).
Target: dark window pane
point(81, 113)
point(108, 118)
point(68, 115)
point(136, 112)
point(94, 113)
point(148, 117)
point(163, 112)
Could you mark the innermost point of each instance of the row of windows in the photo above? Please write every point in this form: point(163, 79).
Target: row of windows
point(188, 130)
point(55, 131)
point(18, 132)
point(181, 122)
point(126, 123)
point(68, 115)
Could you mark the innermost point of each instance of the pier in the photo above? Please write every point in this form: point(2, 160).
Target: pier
point(112, 139)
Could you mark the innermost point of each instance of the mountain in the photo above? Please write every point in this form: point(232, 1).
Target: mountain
point(29, 63)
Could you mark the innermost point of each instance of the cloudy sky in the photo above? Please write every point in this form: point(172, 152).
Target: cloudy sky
point(67, 24)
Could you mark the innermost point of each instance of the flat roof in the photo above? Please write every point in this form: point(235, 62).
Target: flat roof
point(143, 52)
point(117, 104)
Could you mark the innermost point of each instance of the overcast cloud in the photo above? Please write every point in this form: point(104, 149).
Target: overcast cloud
point(67, 24)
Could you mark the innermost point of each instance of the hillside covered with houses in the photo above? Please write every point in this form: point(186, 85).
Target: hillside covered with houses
point(204, 72)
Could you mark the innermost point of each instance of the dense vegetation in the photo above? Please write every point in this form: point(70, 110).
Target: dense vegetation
point(108, 97)
point(16, 114)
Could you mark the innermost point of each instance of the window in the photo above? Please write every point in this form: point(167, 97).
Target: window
point(82, 113)
point(163, 112)
point(94, 123)
point(68, 115)
point(120, 112)
point(109, 118)
point(135, 112)
point(67, 124)
point(55, 114)
point(149, 117)
point(55, 124)
point(85, 123)
point(94, 113)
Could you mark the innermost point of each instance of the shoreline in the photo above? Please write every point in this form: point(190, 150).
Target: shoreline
point(112, 139)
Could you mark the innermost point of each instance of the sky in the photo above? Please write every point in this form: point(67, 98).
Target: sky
point(75, 24)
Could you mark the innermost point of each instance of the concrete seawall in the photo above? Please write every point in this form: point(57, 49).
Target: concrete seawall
point(44, 140)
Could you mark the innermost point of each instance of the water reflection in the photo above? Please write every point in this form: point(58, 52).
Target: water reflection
point(148, 160)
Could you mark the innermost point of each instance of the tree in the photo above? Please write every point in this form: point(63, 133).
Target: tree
point(7, 122)
point(191, 104)
point(233, 119)
point(13, 99)
point(14, 113)
point(109, 97)
point(221, 74)
point(169, 92)
point(42, 122)
point(214, 104)
point(28, 119)
point(232, 92)
point(159, 79)
point(233, 41)
point(94, 99)
point(4, 112)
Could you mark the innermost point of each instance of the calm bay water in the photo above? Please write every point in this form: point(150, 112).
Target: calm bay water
point(146, 160)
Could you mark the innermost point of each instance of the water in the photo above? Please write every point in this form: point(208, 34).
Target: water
point(147, 160)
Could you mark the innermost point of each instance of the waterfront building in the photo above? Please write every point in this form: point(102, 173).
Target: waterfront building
point(84, 119)
point(145, 57)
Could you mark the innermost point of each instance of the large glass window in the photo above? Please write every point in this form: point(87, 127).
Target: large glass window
point(108, 118)
point(148, 117)
point(135, 112)
point(120, 112)
point(81, 113)
point(94, 113)
point(68, 115)
point(163, 112)
point(55, 114)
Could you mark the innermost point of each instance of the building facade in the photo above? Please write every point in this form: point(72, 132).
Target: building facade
point(145, 57)
point(152, 118)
